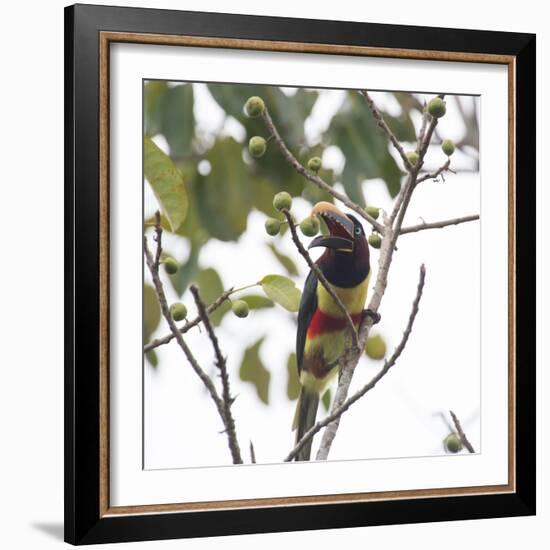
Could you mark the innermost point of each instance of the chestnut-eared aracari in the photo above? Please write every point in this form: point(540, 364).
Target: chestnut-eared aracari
point(323, 333)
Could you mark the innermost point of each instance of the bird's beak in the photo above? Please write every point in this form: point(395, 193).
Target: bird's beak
point(340, 227)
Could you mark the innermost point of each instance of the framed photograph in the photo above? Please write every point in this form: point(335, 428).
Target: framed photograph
point(300, 274)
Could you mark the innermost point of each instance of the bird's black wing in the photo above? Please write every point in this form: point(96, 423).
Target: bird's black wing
point(308, 305)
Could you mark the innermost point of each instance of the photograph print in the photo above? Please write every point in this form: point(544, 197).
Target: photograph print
point(311, 274)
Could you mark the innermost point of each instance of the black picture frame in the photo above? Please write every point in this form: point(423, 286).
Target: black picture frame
point(84, 523)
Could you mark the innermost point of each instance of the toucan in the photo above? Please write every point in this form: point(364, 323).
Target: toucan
point(323, 334)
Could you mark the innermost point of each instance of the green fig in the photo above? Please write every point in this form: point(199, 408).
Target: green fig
point(257, 146)
point(310, 226)
point(178, 311)
point(448, 147)
point(282, 201)
point(272, 226)
point(240, 308)
point(375, 240)
point(254, 106)
point(437, 107)
point(314, 164)
point(170, 265)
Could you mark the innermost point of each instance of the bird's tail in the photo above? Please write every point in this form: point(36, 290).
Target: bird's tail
point(304, 419)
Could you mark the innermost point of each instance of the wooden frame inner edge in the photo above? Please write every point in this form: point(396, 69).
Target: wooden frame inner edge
point(105, 38)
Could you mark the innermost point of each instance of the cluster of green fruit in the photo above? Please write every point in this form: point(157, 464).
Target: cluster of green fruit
point(178, 311)
point(283, 201)
point(437, 108)
point(257, 145)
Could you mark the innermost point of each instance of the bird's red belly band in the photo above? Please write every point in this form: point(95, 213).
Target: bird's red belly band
point(322, 323)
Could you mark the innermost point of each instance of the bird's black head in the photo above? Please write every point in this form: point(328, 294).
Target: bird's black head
point(346, 259)
point(346, 234)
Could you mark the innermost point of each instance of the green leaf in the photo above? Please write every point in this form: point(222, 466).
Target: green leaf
point(289, 113)
point(365, 148)
point(187, 271)
point(252, 370)
point(178, 120)
point(281, 290)
point(325, 400)
point(255, 301)
point(284, 260)
point(154, 93)
point(152, 358)
point(151, 312)
point(293, 382)
point(211, 287)
point(224, 196)
point(167, 183)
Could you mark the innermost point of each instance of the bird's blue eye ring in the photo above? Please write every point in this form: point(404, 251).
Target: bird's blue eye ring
point(357, 230)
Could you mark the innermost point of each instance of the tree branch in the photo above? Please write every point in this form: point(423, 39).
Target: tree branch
point(438, 225)
point(310, 176)
point(339, 411)
point(436, 174)
point(322, 279)
point(461, 433)
point(153, 265)
point(389, 239)
point(382, 124)
point(229, 421)
point(196, 321)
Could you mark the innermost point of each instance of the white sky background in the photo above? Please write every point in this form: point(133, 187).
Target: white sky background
point(439, 369)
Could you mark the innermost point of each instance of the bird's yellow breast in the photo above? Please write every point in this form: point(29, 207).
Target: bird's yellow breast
point(353, 298)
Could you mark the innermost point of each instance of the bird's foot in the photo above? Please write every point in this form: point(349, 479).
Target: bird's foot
point(375, 316)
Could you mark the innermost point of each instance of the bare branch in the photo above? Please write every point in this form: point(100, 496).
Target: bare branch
point(461, 433)
point(436, 174)
point(350, 359)
point(322, 279)
point(421, 134)
point(252, 453)
point(158, 238)
point(438, 225)
point(404, 196)
point(391, 136)
point(229, 421)
point(310, 176)
point(390, 236)
point(339, 411)
point(153, 265)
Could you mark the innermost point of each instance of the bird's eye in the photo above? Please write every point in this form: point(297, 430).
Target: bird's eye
point(358, 230)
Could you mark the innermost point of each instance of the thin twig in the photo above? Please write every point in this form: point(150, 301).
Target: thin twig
point(438, 225)
point(153, 266)
point(310, 176)
point(404, 196)
point(158, 238)
point(424, 125)
point(436, 174)
point(221, 363)
point(252, 453)
point(322, 279)
point(391, 136)
point(461, 433)
point(337, 413)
